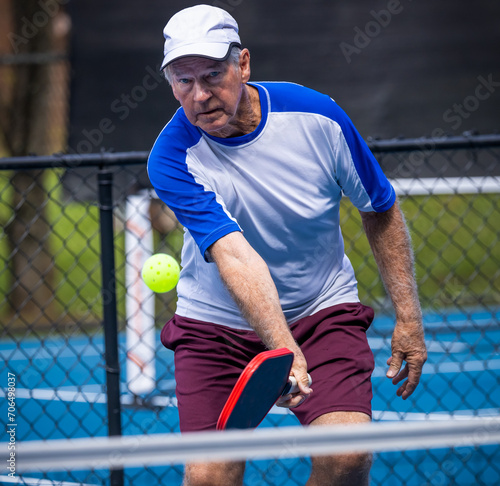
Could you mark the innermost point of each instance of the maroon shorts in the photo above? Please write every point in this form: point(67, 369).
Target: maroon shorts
point(209, 359)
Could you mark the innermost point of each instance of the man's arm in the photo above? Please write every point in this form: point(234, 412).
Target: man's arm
point(390, 242)
point(247, 277)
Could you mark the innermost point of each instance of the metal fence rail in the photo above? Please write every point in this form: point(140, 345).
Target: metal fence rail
point(80, 334)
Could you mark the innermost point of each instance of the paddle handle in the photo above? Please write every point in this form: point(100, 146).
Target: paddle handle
point(292, 386)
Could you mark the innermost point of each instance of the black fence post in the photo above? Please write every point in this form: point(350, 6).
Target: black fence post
point(105, 181)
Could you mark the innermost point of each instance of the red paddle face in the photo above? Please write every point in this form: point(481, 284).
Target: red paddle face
point(259, 386)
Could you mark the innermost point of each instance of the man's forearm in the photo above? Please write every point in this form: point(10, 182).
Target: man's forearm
point(391, 246)
point(249, 282)
point(247, 277)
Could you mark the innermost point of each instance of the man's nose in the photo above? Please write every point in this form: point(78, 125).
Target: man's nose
point(201, 93)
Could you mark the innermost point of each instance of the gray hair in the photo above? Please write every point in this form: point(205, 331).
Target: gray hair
point(233, 58)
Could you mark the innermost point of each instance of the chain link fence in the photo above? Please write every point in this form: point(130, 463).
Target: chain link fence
point(80, 333)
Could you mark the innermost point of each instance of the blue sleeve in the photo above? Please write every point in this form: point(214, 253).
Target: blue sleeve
point(377, 186)
point(296, 98)
point(195, 206)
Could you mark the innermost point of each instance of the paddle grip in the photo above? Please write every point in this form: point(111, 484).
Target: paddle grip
point(292, 386)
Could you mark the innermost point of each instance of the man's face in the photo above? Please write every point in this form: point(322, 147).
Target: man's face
point(209, 91)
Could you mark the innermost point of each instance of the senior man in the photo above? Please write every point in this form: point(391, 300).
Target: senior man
point(255, 172)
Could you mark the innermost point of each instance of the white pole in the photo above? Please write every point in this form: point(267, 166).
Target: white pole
point(140, 302)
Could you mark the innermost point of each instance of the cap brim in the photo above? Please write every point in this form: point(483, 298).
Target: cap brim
point(215, 51)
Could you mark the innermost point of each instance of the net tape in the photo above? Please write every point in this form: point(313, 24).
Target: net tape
point(161, 449)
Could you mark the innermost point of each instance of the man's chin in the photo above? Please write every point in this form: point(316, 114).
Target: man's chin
point(213, 128)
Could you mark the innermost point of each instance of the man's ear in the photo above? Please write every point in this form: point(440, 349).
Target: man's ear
point(245, 65)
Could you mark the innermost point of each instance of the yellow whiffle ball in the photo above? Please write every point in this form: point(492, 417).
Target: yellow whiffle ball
point(161, 272)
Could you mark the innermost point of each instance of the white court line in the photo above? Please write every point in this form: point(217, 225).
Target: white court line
point(84, 397)
point(59, 395)
point(156, 401)
point(28, 354)
point(391, 416)
point(432, 346)
point(381, 415)
point(38, 482)
point(96, 397)
point(461, 367)
point(160, 401)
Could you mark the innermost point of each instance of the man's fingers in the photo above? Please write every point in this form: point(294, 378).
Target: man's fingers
point(290, 401)
point(299, 365)
point(304, 384)
point(401, 375)
point(413, 373)
point(297, 394)
point(395, 362)
point(302, 379)
point(406, 389)
point(407, 346)
point(284, 401)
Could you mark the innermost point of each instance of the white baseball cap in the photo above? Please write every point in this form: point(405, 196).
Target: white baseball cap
point(203, 31)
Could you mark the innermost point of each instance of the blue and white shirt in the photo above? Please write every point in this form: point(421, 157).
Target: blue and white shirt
point(280, 185)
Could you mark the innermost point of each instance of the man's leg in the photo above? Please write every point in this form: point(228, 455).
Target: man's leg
point(341, 469)
point(208, 361)
point(214, 474)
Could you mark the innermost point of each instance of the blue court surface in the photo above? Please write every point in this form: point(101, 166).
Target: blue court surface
point(460, 379)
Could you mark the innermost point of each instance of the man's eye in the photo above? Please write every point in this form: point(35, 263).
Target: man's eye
point(183, 81)
point(213, 74)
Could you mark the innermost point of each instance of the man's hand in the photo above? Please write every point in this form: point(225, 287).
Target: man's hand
point(299, 370)
point(407, 345)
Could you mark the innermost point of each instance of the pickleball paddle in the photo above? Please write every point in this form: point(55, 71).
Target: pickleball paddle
point(262, 382)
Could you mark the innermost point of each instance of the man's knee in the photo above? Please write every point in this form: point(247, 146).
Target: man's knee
point(342, 469)
point(353, 464)
point(214, 474)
